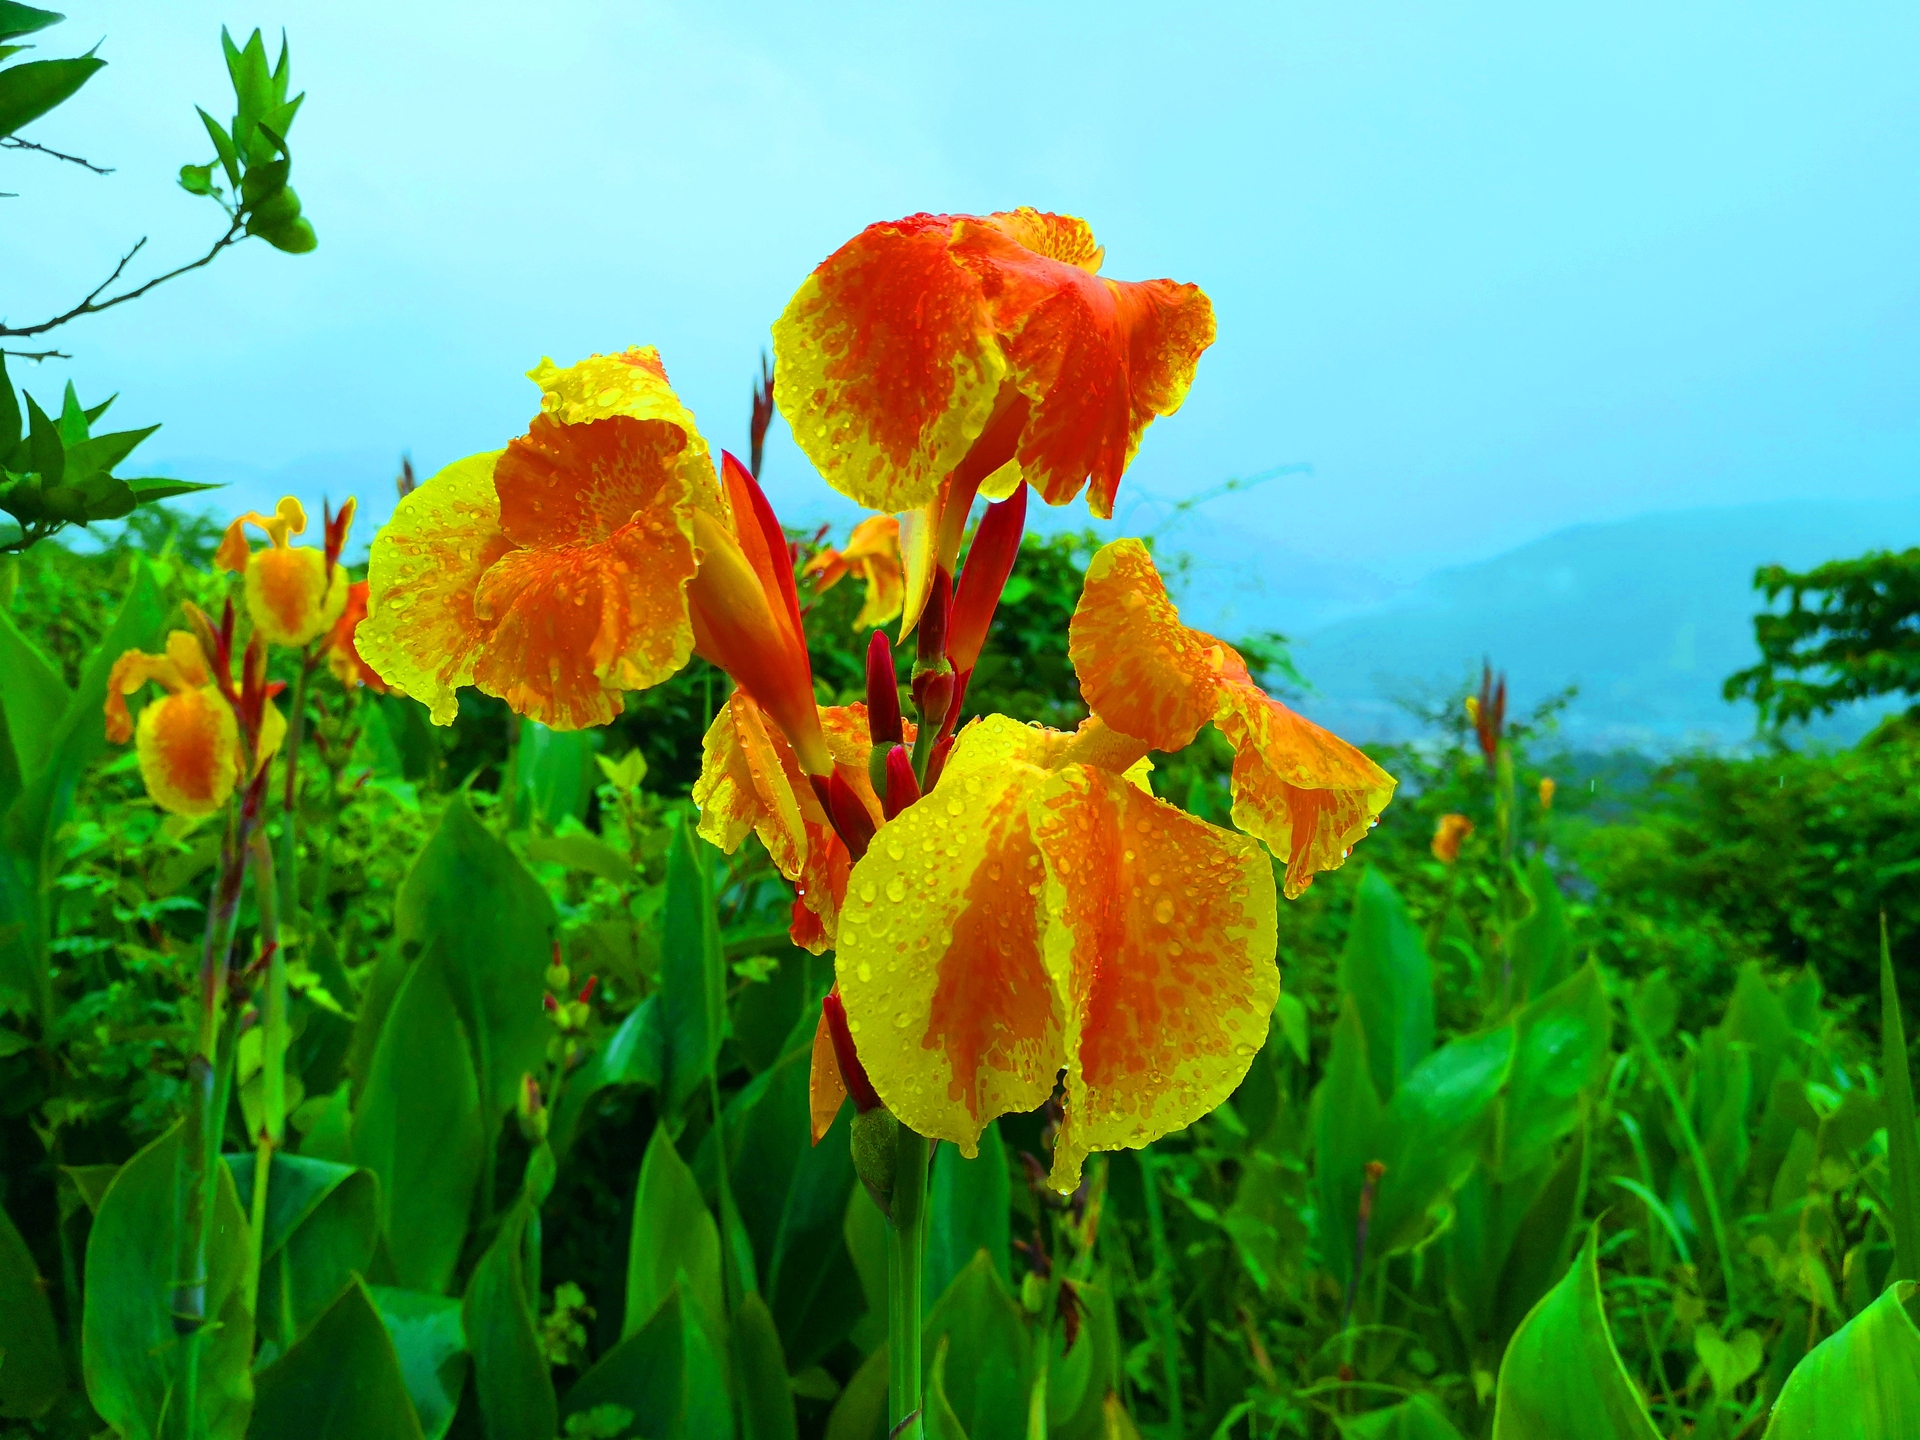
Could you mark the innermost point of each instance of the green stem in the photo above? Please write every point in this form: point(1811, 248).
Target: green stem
point(1043, 1332)
point(737, 1275)
point(907, 1234)
point(290, 835)
point(273, 1058)
point(1696, 1156)
point(1162, 1286)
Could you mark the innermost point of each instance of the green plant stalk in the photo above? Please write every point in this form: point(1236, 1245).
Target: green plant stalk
point(1161, 1285)
point(906, 1251)
point(1696, 1156)
point(1903, 1145)
point(290, 836)
point(737, 1278)
point(200, 1135)
point(273, 1058)
point(1503, 797)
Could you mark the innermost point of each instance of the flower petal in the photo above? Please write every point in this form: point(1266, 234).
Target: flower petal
point(289, 597)
point(749, 781)
point(1161, 940)
point(886, 366)
point(632, 385)
point(1140, 669)
point(940, 961)
point(826, 1087)
point(421, 634)
point(189, 748)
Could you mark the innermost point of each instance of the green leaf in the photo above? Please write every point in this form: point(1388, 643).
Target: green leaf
point(32, 696)
point(1346, 1111)
point(149, 488)
point(417, 1127)
point(510, 1374)
point(469, 896)
point(32, 1373)
point(1562, 1048)
point(197, 179)
point(341, 1382)
point(1543, 941)
point(675, 1241)
point(691, 1014)
point(130, 1351)
point(626, 1057)
point(17, 19)
point(1903, 1145)
point(223, 147)
point(1385, 970)
point(252, 85)
point(970, 1204)
point(1415, 1419)
point(554, 770)
point(861, 1411)
point(427, 1336)
point(73, 420)
point(1543, 1241)
point(9, 413)
point(29, 91)
point(1561, 1375)
point(47, 454)
point(291, 237)
point(583, 851)
point(813, 1285)
point(942, 1423)
point(988, 1372)
point(760, 1375)
point(1730, 1363)
point(322, 1224)
point(668, 1373)
point(1862, 1381)
point(98, 454)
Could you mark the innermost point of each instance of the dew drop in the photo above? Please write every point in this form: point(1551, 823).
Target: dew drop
point(896, 889)
point(868, 892)
point(865, 972)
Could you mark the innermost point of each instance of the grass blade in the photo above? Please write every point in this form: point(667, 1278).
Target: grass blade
point(1903, 1147)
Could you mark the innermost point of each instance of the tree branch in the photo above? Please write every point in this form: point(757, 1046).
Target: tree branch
point(37, 354)
point(93, 304)
point(14, 142)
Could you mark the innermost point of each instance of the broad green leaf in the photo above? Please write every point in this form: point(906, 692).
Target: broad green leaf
point(98, 454)
point(583, 851)
point(987, 1369)
point(970, 1204)
point(1544, 1240)
point(342, 1381)
point(164, 487)
point(626, 1057)
point(129, 1349)
point(861, 1411)
point(322, 1224)
point(766, 1129)
point(1903, 1144)
point(33, 696)
point(1757, 1018)
point(28, 826)
point(1346, 1113)
point(32, 1372)
point(668, 1373)
point(1415, 1419)
point(690, 1018)
point(427, 1336)
point(17, 20)
point(493, 926)
point(1385, 971)
point(10, 419)
point(555, 774)
point(417, 1127)
point(223, 147)
point(1561, 1375)
point(510, 1376)
point(942, 1423)
point(813, 1283)
point(1079, 1380)
point(1730, 1362)
point(73, 420)
point(1561, 1049)
point(675, 1241)
point(1543, 941)
point(1487, 1216)
point(1860, 1383)
point(30, 90)
point(760, 1375)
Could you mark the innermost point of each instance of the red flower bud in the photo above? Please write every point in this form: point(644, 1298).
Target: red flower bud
point(849, 815)
point(883, 693)
point(996, 543)
point(859, 1087)
point(902, 786)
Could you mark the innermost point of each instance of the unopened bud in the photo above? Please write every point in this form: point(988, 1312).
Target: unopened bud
point(559, 977)
point(883, 693)
point(901, 788)
point(876, 1144)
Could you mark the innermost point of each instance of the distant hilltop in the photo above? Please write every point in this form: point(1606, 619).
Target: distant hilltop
point(1647, 616)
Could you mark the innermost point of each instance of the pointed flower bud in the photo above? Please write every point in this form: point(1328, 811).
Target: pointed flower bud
point(883, 692)
point(902, 787)
point(996, 543)
point(852, 1073)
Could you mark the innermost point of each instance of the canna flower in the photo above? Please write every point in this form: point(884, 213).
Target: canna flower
point(1040, 910)
point(293, 593)
point(592, 556)
point(1547, 788)
point(1448, 836)
point(872, 553)
point(1487, 712)
point(189, 739)
point(343, 658)
point(936, 357)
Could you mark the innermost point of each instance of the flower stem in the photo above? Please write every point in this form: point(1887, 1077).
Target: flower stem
point(290, 835)
point(273, 1056)
point(907, 1234)
point(1161, 1286)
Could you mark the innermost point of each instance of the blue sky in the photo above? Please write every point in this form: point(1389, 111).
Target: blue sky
point(1491, 270)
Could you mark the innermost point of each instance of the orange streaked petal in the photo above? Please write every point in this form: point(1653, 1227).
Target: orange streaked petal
point(343, 655)
point(631, 385)
point(886, 365)
point(1161, 939)
point(421, 634)
point(750, 781)
point(189, 749)
point(826, 1090)
point(289, 597)
point(1303, 790)
point(1140, 669)
point(940, 959)
point(183, 666)
point(821, 890)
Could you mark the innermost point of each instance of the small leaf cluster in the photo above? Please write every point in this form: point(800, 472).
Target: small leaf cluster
point(251, 151)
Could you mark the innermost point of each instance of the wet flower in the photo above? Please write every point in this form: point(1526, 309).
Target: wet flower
point(294, 592)
point(1039, 909)
point(343, 657)
point(188, 740)
point(1448, 835)
point(872, 553)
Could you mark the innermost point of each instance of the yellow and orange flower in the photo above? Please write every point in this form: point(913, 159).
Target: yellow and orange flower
point(343, 657)
point(1448, 835)
point(872, 553)
point(189, 739)
point(294, 593)
point(1039, 909)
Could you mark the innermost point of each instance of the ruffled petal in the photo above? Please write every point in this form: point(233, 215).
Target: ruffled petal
point(886, 365)
point(1303, 790)
point(288, 518)
point(289, 597)
point(421, 634)
point(749, 780)
point(183, 666)
point(343, 654)
point(940, 958)
point(1161, 941)
point(189, 749)
point(1140, 670)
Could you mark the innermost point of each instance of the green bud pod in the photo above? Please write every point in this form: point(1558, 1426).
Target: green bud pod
point(876, 1140)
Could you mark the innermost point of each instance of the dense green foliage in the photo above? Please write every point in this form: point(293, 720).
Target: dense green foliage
point(1633, 997)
